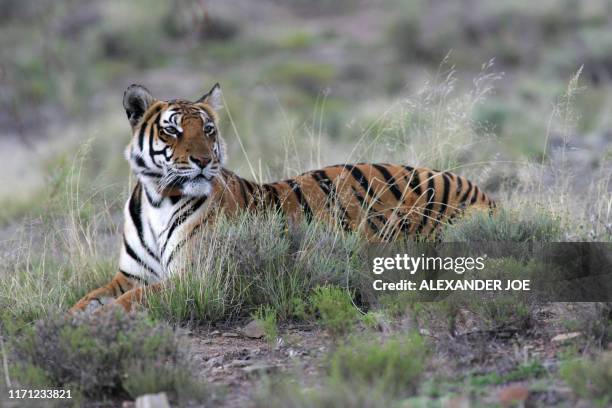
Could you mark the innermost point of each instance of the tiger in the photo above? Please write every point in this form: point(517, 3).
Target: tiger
point(178, 157)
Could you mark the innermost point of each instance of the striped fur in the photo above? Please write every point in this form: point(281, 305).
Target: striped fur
point(182, 186)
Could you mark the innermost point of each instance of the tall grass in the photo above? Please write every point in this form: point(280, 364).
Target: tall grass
point(56, 257)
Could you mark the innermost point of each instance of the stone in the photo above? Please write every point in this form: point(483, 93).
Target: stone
point(512, 395)
point(229, 334)
point(214, 362)
point(153, 401)
point(239, 363)
point(259, 369)
point(253, 330)
point(565, 338)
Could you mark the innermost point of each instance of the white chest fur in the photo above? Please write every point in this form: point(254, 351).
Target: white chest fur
point(154, 231)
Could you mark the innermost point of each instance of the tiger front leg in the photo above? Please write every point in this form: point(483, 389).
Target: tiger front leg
point(104, 295)
point(132, 298)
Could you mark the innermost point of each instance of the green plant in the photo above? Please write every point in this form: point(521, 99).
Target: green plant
point(266, 317)
point(395, 366)
point(531, 369)
point(372, 320)
point(590, 378)
point(335, 308)
point(299, 309)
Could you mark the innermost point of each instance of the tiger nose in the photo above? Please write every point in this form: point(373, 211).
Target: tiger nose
point(200, 162)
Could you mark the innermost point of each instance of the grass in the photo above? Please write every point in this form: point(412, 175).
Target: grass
point(528, 225)
point(45, 272)
point(252, 261)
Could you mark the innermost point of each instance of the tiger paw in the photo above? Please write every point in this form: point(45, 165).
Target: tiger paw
point(91, 305)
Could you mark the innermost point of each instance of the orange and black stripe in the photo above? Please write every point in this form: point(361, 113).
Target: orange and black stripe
point(386, 199)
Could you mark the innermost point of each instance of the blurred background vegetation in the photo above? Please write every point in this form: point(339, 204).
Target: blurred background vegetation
point(308, 83)
point(514, 94)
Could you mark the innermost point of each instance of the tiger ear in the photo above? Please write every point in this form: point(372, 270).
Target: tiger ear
point(136, 101)
point(214, 97)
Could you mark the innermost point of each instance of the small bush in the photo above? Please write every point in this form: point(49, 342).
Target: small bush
point(505, 225)
point(395, 366)
point(101, 355)
point(372, 320)
point(590, 378)
point(531, 369)
point(336, 309)
point(266, 317)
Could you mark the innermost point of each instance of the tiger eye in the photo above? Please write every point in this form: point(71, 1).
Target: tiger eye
point(209, 128)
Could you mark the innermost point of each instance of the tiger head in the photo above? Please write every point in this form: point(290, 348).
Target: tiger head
point(176, 146)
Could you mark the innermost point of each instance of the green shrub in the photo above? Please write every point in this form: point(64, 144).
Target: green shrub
point(590, 378)
point(102, 355)
point(266, 317)
point(505, 225)
point(372, 320)
point(531, 369)
point(335, 308)
point(395, 366)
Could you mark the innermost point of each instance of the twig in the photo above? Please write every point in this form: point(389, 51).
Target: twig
point(5, 364)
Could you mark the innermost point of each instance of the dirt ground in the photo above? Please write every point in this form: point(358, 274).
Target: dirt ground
point(235, 362)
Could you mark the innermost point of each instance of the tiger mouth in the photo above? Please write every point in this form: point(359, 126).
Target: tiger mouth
point(201, 177)
point(182, 180)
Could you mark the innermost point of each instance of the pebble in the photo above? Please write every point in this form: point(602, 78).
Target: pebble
point(513, 394)
point(153, 401)
point(253, 330)
point(565, 337)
